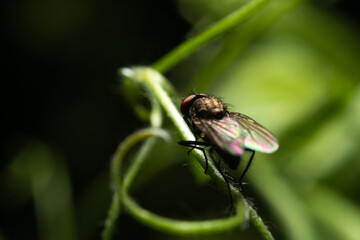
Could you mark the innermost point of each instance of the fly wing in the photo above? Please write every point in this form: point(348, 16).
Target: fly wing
point(224, 133)
point(257, 137)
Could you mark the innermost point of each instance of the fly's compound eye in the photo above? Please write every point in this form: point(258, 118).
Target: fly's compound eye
point(186, 104)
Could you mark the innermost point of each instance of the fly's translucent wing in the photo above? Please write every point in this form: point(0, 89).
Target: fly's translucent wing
point(225, 133)
point(256, 137)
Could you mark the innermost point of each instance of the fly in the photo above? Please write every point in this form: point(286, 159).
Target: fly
point(230, 134)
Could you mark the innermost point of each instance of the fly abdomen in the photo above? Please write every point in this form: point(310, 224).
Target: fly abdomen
point(231, 160)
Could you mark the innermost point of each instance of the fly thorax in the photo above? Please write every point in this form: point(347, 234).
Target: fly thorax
point(207, 107)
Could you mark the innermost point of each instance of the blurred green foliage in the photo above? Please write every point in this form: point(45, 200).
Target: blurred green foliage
point(294, 67)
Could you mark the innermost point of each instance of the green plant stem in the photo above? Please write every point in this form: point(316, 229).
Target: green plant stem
point(116, 167)
point(182, 227)
point(190, 46)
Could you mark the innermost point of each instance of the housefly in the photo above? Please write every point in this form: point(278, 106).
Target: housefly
point(230, 134)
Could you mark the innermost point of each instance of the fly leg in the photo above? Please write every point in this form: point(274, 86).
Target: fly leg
point(199, 146)
point(245, 170)
point(217, 164)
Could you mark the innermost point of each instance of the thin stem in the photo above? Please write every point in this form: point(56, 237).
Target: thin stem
point(183, 227)
point(190, 46)
point(116, 167)
point(137, 163)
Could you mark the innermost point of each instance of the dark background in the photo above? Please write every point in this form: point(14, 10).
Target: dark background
point(63, 89)
point(60, 85)
point(59, 82)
